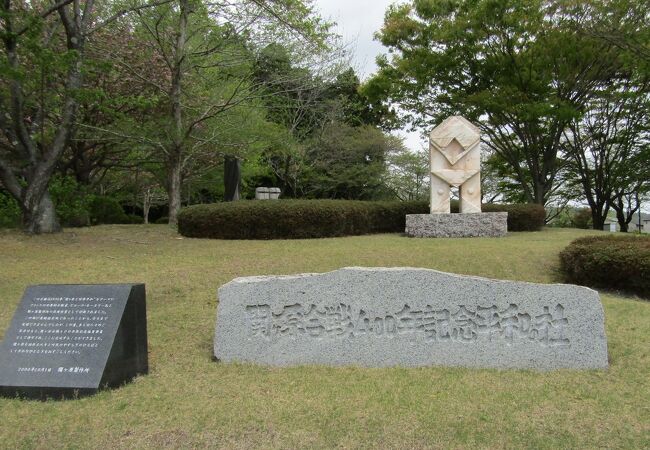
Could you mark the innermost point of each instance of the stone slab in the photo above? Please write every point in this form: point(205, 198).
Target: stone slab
point(262, 193)
point(378, 317)
point(267, 193)
point(67, 341)
point(488, 224)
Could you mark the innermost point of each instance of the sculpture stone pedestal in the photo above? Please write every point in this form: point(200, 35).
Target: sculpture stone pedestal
point(486, 224)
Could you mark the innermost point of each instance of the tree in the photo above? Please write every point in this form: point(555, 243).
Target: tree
point(408, 172)
point(627, 203)
point(513, 66)
point(44, 51)
point(348, 163)
point(302, 100)
point(322, 110)
point(113, 100)
point(606, 149)
point(207, 52)
point(354, 108)
point(31, 146)
point(609, 147)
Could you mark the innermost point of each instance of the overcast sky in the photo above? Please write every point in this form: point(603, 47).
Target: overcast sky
point(357, 21)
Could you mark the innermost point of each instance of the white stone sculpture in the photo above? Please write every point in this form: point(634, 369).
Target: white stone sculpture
point(455, 161)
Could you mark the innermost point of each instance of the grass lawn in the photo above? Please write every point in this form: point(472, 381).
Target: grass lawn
point(189, 401)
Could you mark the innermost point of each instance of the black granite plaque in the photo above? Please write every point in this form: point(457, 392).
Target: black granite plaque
point(71, 340)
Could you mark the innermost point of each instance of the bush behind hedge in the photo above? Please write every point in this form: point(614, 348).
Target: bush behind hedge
point(521, 217)
point(106, 210)
point(611, 262)
point(296, 219)
point(10, 214)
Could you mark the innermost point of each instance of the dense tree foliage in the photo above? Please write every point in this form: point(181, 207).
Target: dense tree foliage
point(111, 110)
point(527, 71)
point(42, 71)
point(128, 100)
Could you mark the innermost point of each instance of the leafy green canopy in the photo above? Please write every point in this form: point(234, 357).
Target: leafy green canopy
point(332, 147)
point(519, 67)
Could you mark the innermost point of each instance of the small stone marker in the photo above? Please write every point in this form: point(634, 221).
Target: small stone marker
point(378, 317)
point(71, 340)
point(267, 193)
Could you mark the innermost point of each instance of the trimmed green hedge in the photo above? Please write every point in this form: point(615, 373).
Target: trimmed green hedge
point(294, 219)
point(521, 217)
point(611, 262)
point(297, 219)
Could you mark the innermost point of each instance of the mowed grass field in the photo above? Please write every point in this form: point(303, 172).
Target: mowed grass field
point(190, 401)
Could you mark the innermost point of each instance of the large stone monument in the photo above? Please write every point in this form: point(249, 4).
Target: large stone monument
point(378, 317)
point(455, 161)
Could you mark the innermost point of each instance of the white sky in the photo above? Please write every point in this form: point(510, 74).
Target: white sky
point(357, 21)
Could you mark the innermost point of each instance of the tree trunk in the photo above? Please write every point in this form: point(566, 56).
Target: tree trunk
point(176, 152)
point(287, 189)
point(598, 216)
point(231, 178)
point(622, 220)
point(540, 193)
point(42, 218)
point(624, 210)
point(597, 221)
point(174, 190)
point(146, 206)
point(620, 215)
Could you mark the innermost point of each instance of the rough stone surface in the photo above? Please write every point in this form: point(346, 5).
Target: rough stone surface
point(378, 317)
point(492, 224)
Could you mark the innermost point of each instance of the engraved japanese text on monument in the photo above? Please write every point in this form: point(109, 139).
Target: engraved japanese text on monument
point(464, 323)
point(62, 326)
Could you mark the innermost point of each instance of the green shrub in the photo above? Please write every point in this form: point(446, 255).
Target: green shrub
point(610, 262)
point(521, 217)
point(71, 200)
point(162, 221)
point(10, 214)
point(106, 210)
point(582, 219)
point(390, 217)
point(82, 219)
point(295, 219)
point(134, 219)
point(287, 219)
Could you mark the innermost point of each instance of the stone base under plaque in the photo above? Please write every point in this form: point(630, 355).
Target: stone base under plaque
point(488, 224)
